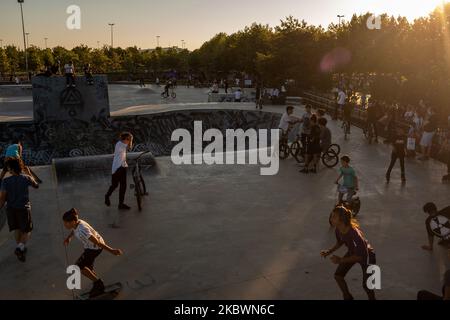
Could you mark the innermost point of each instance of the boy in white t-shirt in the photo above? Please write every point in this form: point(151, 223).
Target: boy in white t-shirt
point(119, 170)
point(93, 244)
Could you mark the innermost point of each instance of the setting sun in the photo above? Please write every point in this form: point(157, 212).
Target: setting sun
point(412, 9)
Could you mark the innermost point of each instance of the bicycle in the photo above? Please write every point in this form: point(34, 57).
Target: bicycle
point(139, 187)
point(294, 149)
point(369, 132)
point(330, 158)
point(171, 93)
point(354, 204)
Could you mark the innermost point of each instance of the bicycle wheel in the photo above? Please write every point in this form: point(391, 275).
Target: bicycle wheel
point(356, 206)
point(142, 186)
point(330, 159)
point(335, 148)
point(284, 151)
point(295, 149)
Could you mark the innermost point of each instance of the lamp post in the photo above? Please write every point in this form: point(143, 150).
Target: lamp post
point(45, 39)
point(340, 17)
point(112, 34)
point(23, 31)
point(157, 41)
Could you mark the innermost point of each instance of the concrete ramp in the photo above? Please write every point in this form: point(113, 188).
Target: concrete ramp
point(82, 167)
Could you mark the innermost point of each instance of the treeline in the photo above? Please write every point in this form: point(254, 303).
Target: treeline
point(406, 61)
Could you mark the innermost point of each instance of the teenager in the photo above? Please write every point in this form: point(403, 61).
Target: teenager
point(313, 149)
point(93, 244)
point(398, 153)
point(14, 192)
point(359, 251)
point(119, 170)
point(350, 180)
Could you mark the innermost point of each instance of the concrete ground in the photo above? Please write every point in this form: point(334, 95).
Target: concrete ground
point(225, 232)
point(124, 99)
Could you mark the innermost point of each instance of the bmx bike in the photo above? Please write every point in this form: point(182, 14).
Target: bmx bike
point(139, 186)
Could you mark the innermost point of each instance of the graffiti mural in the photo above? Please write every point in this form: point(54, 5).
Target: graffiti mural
point(73, 138)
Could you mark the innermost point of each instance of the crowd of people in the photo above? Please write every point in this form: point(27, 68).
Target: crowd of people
point(315, 139)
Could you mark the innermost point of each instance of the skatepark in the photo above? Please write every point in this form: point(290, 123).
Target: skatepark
point(223, 231)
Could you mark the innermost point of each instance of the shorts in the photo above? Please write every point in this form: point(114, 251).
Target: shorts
point(427, 139)
point(19, 219)
point(87, 259)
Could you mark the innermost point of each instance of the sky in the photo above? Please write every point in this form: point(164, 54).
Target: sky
point(139, 22)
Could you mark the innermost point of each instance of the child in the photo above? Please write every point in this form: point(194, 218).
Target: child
point(14, 192)
point(119, 170)
point(350, 184)
point(359, 251)
point(398, 152)
point(93, 246)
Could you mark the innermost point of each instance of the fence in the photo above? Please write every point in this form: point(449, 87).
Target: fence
point(359, 118)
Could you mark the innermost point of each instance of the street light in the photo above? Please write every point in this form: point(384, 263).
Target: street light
point(46, 43)
point(23, 31)
point(340, 17)
point(112, 34)
point(157, 41)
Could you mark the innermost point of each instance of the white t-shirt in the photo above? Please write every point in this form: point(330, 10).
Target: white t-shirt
point(68, 68)
point(285, 121)
point(237, 95)
point(341, 98)
point(83, 232)
point(120, 156)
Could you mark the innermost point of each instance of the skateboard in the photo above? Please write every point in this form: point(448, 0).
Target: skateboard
point(111, 292)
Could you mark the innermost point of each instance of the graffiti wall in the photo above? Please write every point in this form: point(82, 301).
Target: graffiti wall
point(46, 140)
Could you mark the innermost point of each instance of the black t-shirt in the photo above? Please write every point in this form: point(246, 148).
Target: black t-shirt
point(315, 135)
point(399, 145)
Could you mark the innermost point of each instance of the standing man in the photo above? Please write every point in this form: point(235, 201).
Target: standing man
point(14, 191)
point(341, 99)
point(69, 70)
point(398, 152)
point(306, 128)
point(119, 170)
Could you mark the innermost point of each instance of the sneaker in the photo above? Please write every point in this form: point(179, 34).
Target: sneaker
point(107, 201)
point(20, 255)
point(124, 207)
point(97, 289)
